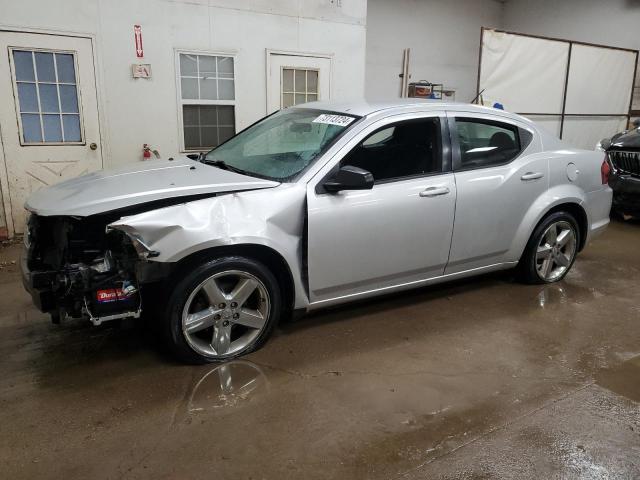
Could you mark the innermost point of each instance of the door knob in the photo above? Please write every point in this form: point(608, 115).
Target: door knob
point(93, 145)
point(434, 191)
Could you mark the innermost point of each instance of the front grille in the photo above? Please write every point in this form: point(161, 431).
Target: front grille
point(626, 162)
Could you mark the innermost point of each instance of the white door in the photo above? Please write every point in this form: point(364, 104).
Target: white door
point(399, 231)
point(49, 120)
point(295, 79)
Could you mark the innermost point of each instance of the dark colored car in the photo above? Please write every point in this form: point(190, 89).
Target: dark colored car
point(623, 151)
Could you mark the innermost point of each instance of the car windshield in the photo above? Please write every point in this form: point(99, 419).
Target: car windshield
point(281, 146)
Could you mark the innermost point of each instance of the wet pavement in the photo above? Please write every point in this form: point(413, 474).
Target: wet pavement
point(484, 378)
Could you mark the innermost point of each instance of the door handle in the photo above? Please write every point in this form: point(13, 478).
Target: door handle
point(434, 191)
point(531, 176)
point(93, 145)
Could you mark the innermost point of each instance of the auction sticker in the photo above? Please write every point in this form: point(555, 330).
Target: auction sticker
point(341, 120)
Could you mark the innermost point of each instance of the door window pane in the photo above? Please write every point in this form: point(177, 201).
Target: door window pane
point(287, 100)
point(23, 62)
point(287, 80)
point(71, 125)
point(44, 67)
point(68, 98)
point(300, 81)
point(48, 97)
point(28, 97)
point(207, 126)
point(31, 128)
point(45, 99)
point(299, 85)
point(66, 68)
point(400, 150)
point(52, 128)
point(312, 81)
point(484, 143)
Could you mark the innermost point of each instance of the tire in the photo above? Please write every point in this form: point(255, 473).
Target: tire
point(220, 310)
point(532, 268)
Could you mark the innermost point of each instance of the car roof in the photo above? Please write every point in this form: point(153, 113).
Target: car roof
point(366, 107)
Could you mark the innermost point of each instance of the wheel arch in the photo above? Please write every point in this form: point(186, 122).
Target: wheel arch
point(578, 212)
point(273, 260)
point(553, 200)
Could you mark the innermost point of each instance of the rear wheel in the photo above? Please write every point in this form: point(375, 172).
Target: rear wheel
point(551, 250)
point(222, 309)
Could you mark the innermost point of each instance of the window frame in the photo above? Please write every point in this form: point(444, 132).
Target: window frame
point(391, 121)
point(181, 102)
point(14, 84)
point(502, 123)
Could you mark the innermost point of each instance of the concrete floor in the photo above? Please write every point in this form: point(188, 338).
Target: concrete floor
point(479, 379)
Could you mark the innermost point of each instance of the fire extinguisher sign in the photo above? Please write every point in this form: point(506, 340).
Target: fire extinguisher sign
point(137, 33)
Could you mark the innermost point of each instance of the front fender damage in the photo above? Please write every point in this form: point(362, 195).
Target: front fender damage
point(273, 218)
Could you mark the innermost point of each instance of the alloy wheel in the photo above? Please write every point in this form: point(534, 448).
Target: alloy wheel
point(556, 251)
point(225, 313)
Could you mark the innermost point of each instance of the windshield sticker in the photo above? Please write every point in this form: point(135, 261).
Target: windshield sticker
point(341, 120)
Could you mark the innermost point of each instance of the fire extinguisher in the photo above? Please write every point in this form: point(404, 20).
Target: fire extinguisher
point(147, 151)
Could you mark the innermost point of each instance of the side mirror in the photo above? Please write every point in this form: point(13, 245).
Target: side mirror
point(349, 178)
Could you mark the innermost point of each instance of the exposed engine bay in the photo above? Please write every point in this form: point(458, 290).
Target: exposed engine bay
point(79, 270)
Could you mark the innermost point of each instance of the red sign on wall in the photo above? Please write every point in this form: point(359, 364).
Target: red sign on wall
point(137, 32)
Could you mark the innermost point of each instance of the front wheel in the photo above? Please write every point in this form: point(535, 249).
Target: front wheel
point(551, 250)
point(222, 309)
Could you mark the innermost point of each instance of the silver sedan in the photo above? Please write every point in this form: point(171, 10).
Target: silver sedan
point(313, 206)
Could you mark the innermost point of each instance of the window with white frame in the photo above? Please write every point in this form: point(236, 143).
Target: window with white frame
point(207, 96)
point(299, 85)
point(47, 94)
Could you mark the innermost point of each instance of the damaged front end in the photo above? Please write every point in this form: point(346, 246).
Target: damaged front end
point(74, 268)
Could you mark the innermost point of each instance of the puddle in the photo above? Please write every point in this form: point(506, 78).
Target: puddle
point(566, 293)
point(623, 380)
point(225, 386)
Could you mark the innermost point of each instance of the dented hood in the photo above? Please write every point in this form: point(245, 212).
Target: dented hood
point(136, 184)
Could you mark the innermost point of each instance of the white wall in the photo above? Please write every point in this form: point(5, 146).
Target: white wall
point(134, 112)
point(444, 38)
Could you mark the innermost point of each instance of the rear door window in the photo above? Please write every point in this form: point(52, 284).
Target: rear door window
point(486, 143)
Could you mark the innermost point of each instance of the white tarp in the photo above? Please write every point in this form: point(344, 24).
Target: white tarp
point(600, 80)
point(527, 75)
point(524, 74)
point(585, 132)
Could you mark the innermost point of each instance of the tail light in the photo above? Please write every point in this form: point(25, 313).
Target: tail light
point(605, 170)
